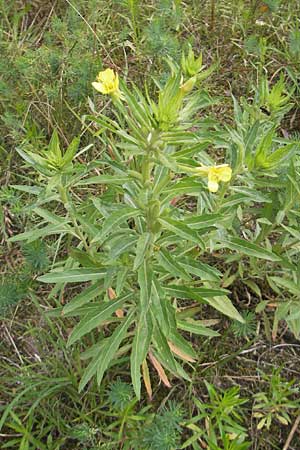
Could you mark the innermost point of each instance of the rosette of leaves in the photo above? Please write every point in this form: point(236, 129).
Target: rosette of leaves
point(137, 232)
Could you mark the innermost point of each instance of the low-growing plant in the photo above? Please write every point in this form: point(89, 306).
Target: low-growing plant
point(219, 420)
point(278, 402)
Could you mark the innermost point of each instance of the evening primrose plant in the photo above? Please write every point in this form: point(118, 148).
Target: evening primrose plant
point(133, 226)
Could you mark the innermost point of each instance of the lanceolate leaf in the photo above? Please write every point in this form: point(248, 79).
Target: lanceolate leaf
point(145, 275)
point(182, 346)
point(182, 230)
point(112, 345)
point(91, 369)
point(163, 349)
point(214, 297)
point(121, 245)
point(143, 244)
point(114, 220)
point(200, 269)
point(104, 179)
point(84, 297)
point(287, 284)
point(158, 307)
point(73, 275)
point(89, 322)
point(187, 186)
point(169, 263)
point(71, 151)
point(143, 332)
point(204, 221)
point(196, 327)
point(249, 249)
point(37, 233)
point(140, 346)
point(225, 306)
point(193, 293)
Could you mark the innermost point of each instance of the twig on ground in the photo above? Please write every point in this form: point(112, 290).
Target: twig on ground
point(292, 432)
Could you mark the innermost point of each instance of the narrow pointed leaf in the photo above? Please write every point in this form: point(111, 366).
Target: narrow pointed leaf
point(181, 230)
point(112, 345)
point(73, 275)
point(83, 298)
point(143, 244)
point(249, 249)
point(89, 322)
point(114, 220)
point(169, 263)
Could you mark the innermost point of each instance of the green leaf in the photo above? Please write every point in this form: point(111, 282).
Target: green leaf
point(34, 190)
point(213, 297)
point(196, 327)
point(290, 285)
point(121, 245)
point(163, 349)
point(169, 263)
point(104, 179)
point(140, 347)
point(71, 151)
point(252, 194)
point(143, 331)
point(84, 297)
point(280, 155)
point(114, 220)
point(161, 312)
point(112, 345)
point(105, 122)
point(181, 230)
point(91, 369)
point(194, 293)
point(138, 107)
point(200, 269)
point(54, 147)
point(145, 276)
point(50, 216)
point(37, 233)
point(293, 231)
point(204, 221)
point(186, 186)
point(73, 275)
point(35, 161)
point(89, 322)
point(183, 138)
point(225, 306)
point(190, 151)
point(142, 247)
point(249, 249)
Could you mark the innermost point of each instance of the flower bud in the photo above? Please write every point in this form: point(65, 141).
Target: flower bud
point(188, 86)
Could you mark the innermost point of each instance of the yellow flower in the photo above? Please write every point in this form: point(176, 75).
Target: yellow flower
point(215, 174)
point(107, 82)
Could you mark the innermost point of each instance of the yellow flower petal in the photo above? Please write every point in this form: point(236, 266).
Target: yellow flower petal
point(107, 83)
point(212, 174)
point(98, 86)
point(224, 173)
point(215, 174)
point(213, 186)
